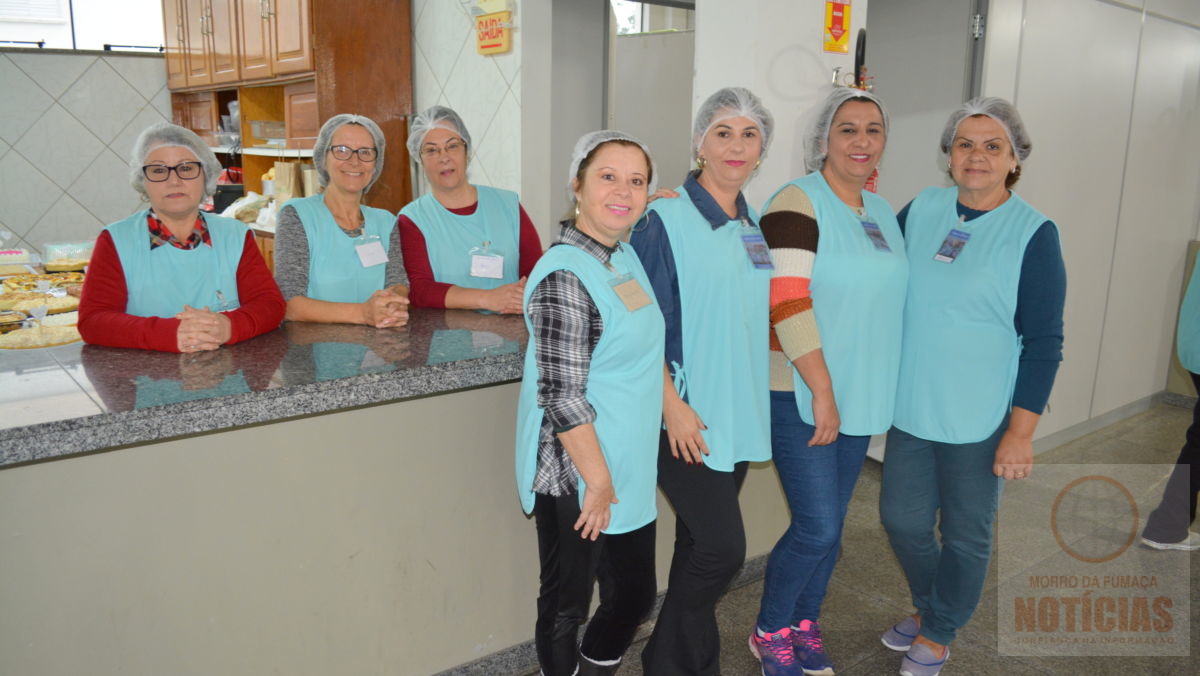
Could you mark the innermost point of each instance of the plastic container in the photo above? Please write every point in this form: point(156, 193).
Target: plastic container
point(268, 130)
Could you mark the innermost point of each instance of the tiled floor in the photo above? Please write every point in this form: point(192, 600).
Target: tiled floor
point(868, 592)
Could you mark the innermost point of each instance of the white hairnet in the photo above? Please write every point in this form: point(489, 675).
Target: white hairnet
point(999, 110)
point(325, 139)
point(728, 103)
point(816, 143)
point(430, 119)
point(588, 143)
point(166, 134)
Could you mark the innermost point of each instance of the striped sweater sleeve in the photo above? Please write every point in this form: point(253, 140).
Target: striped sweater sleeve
point(789, 226)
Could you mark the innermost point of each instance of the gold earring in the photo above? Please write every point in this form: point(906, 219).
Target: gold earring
point(701, 162)
point(577, 211)
point(757, 165)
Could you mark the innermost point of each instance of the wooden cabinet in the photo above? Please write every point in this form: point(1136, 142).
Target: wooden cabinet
point(275, 38)
point(254, 40)
point(204, 44)
point(173, 34)
point(291, 41)
point(277, 78)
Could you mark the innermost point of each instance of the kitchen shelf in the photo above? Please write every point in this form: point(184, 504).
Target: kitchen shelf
point(278, 152)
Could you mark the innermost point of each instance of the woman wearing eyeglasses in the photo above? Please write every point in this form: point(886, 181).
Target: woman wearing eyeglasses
point(168, 277)
point(336, 259)
point(467, 246)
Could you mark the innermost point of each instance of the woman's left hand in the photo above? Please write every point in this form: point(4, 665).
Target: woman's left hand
point(205, 329)
point(666, 193)
point(1014, 456)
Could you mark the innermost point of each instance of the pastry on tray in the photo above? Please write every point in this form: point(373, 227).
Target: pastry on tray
point(65, 264)
point(25, 301)
point(28, 282)
point(39, 336)
point(10, 320)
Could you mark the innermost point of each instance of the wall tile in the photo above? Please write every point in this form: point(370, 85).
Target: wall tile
point(475, 89)
point(426, 87)
point(66, 221)
point(143, 74)
point(500, 149)
point(442, 29)
point(22, 103)
point(122, 145)
point(53, 72)
point(59, 145)
point(103, 189)
point(102, 100)
point(25, 193)
point(162, 101)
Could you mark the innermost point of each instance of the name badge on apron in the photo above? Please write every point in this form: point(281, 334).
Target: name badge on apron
point(370, 251)
point(630, 292)
point(875, 235)
point(756, 247)
point(486, 264)
point(952, 246)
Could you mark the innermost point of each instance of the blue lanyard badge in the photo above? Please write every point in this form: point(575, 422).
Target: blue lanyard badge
point(875, 235)
point(756, 247)
point(952, 246)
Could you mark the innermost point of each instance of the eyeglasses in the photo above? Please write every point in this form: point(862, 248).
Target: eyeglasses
point(431, 151)
point(344, 153)
point(186, 171)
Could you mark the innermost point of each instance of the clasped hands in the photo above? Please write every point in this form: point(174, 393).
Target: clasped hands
point(386, 308)
point(201, 329)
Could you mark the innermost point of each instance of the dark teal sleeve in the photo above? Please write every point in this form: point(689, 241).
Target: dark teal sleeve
point(1041, 294)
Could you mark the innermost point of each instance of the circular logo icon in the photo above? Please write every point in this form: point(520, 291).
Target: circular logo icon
point(1094, 519)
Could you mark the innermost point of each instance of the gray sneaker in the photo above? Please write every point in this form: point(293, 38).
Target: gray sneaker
point(901, 635)
point(920, 661)
point(1189, 544)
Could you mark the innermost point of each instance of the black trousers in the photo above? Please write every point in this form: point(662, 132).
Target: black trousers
point(570, 566)
point(1173, 517)
point(710, 547)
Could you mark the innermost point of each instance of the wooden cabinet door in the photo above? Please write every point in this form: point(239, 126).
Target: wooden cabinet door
point(223, 41)
point(175, 44)
point(292, 40)
point(195, 53)
point(202, 114)
point(255, 45)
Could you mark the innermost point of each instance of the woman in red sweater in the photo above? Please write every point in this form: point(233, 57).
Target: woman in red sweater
point(168, 277)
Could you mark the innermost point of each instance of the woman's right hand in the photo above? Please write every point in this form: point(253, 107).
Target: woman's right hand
point(199, 330)
point(683, 431)
point(828, 422)
point(595, 512)
point(385, 309)
point(508, 299)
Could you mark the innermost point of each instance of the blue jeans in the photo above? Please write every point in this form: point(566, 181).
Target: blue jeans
point(818, 482)
point(920, 479)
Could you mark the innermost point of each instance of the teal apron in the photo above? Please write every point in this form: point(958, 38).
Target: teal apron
point(335, 273)
point(961, 350)
point(450, 238)
point(725, 308)
point(858, 301)
point(624, 385)
point(161, 281)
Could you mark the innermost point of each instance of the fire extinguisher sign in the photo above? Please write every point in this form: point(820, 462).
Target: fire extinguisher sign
point(837, 27)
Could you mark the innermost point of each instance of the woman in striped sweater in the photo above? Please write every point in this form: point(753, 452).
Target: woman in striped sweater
point(837, 297)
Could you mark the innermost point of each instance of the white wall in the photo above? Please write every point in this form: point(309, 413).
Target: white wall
point(652, 97)
point(772, 47)
point(1112, 100)
point(484, 90)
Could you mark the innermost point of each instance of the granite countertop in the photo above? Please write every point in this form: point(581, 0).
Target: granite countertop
point(71, 399)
